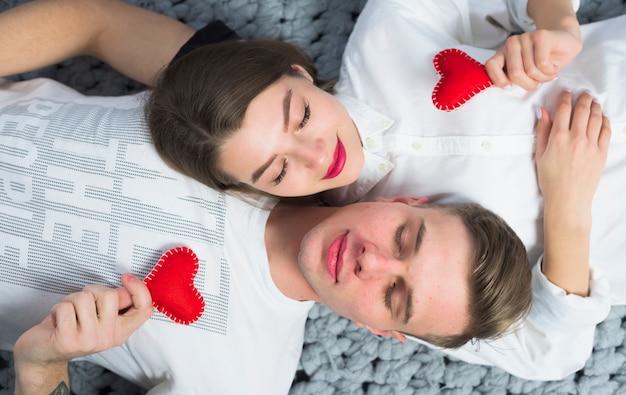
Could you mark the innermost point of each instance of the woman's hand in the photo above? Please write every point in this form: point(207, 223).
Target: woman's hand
point(532, 58)
point(535, 57)
point(570, 156)
point(572, 150)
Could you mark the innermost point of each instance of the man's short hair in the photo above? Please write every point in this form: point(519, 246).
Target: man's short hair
point(499, 288)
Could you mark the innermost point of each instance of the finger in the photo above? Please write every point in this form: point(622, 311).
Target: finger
point(138, 291)
point(65, 327)
point(140, 311)
point(107, 303)
point(582, 111)
point(515, 67)
point(563, 112)
point(85, 312)
point(595, 121)
point(495, 69)
point(63, 317)
point(105, 299)
point(605, 135)
point(538, 58)
point(544, 124)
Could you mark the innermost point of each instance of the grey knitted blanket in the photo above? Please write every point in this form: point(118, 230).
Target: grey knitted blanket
point(337, 357)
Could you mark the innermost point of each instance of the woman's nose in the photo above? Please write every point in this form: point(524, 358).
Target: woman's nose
point(312, 153)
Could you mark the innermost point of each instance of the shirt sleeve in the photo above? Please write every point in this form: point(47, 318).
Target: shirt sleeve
point(479, 23)
point(519, 16)
point(214, 32)
point(556, 338)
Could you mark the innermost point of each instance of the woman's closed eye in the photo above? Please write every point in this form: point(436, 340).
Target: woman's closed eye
point(306, 116)
point(281, 175)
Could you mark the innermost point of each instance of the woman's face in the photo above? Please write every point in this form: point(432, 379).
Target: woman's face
point(295, 140)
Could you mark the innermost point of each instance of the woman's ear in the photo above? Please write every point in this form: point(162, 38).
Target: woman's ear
point(394, 334)
point(301, 71)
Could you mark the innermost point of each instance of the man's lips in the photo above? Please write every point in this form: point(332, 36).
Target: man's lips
point(334, 257)
point(338, 162)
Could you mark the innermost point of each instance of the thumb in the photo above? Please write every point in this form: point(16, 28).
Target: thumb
point(133, 294)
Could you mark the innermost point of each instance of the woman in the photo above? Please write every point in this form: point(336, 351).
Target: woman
point(201, 118)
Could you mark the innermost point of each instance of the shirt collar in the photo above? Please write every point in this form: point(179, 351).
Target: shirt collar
point(371, 125)
point(368, 121)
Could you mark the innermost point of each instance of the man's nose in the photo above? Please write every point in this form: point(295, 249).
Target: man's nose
point(373, 263)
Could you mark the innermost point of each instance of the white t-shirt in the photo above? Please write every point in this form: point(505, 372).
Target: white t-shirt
point(483, 152)
point(84, 198)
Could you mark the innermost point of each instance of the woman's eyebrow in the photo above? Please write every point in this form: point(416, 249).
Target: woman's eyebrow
point(259, 172)
point(286, 108)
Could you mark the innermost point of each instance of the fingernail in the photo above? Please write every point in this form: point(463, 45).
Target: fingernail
point(568, 90)
point(538, 112)
point(595, 99)
point(128, 277)
point(508, 87)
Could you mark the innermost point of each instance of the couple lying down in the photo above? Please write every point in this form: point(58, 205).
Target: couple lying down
point(86, 198)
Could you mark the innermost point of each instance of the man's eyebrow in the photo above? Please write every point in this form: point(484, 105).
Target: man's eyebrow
point(420, 236)
point(286, 109)
point(408, 311)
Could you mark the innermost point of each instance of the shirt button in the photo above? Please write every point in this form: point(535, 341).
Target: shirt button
point(416, 145)
point(486, 145)
point(624, 130)
point(385, 122)
point(369, 143)
point(382, 167)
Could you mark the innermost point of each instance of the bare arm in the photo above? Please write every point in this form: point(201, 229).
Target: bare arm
point(134, 41)
point(534, 57)
point(570, 159)
point(84, 323)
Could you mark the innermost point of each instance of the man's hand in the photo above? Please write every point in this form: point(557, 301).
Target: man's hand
point(86, 322)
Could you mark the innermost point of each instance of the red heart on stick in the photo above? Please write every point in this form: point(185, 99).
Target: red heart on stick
point(462, 77)
point(171, 286)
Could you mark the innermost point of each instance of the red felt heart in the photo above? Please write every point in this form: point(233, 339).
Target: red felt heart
point(171, 286)
point(462, 77)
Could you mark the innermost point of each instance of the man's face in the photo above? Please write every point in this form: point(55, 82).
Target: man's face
point(392, 267)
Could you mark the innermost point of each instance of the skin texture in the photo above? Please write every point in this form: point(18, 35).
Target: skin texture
point(390, 254)
point(298, 153)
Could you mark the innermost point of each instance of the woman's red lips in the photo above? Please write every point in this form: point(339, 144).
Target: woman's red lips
point(334, 260)
point(338, 162)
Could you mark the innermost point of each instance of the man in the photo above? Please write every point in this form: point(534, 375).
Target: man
point(86, 198)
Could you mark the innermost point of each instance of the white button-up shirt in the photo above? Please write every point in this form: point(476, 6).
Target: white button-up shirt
point(484, 152)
